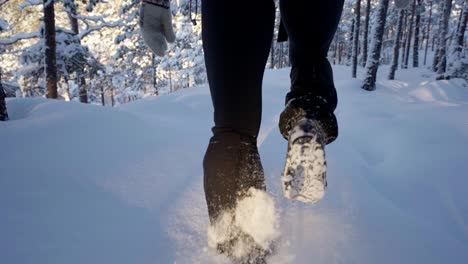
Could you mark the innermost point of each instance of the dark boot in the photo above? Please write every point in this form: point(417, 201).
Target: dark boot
point(304, 174)
point(308, 126)
point(231, 167)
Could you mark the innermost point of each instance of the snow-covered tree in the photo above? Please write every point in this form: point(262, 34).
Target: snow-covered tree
point(72, 12)
point(404, 64)
point(365, 41)
point(396, 45)
point(183, 65)
point(69, 63)
point(71, 60)
point(376, 46)
point(419, 9)
point(428, 31)
point(458, 61)
point(441, 56)
point(279, 54)
point(3, 108)
point(357, 25)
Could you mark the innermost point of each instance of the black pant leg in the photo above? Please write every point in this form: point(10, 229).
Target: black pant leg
point(311, 26)
point(236, 42)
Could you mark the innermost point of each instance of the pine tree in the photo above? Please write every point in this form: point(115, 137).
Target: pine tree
point(376, 46)
point(356, 38)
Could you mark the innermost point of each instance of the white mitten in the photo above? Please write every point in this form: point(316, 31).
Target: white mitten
point(156, 25)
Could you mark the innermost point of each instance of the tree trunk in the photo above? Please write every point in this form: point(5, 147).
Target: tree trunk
point(50, 49)
point(460, 36)
point(366, 34)
point(76, 30)
point(436, 39)
point(349, 49)
point(3, 108)
point(378, 32)
point(404, 36)
point(410, 35)
point(356, 38)
point(340, 53)
point(416, 34)
point(103, 101)
point(170, 79)
point(428, 31)
point(457, 68)
point(272, 55)
point(396, 46)
point(442, 63)
point(155, 75)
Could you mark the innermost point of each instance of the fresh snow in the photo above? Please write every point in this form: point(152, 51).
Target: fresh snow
point(89, 184)
point(255, 217)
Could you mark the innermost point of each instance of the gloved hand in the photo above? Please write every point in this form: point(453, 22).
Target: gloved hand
point(156, 27)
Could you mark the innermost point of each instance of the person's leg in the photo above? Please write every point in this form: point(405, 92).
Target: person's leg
point(236, 43)
point(311, 26)
point(308, 121)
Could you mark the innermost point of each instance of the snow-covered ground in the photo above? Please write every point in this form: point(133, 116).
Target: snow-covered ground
point(89, 184)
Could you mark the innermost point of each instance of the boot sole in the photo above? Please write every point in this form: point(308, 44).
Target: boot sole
point(304, 175)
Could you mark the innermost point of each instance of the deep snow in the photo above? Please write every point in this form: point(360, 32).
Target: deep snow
point(90, 184)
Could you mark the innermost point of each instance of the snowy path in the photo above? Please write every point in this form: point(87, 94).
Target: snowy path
point(86, 184)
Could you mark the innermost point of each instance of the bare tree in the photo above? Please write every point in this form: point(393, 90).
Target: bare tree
point(366, 34)
point(396, 45)
point(376, 46)
point(50, 49)
point(417, 23)
point(410, 34)
point(349, 50)
point(356, 38)
point(443, 36)
point(428, 31)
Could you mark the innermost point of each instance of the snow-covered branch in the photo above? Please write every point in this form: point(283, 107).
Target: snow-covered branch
point(18, 37)
point(90, 29)
point(2, 2)
point(91, 18)
point(28, 3)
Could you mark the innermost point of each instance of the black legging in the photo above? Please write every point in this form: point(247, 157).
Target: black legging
point(236, 41)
